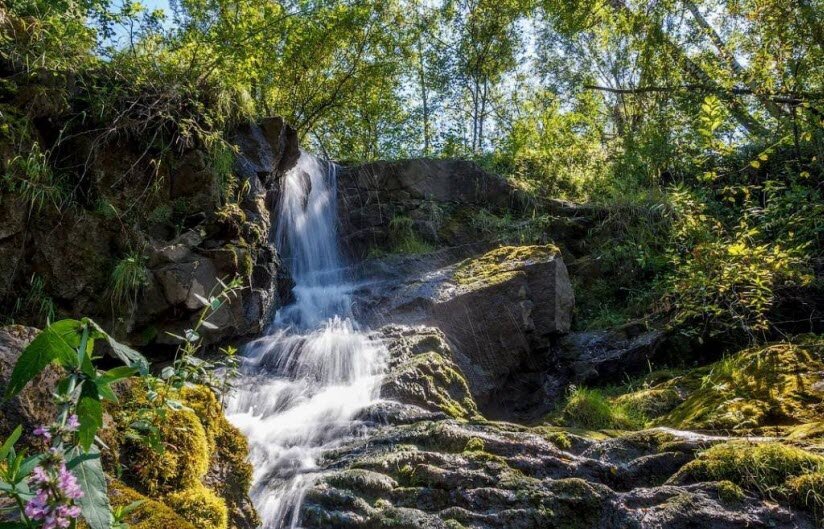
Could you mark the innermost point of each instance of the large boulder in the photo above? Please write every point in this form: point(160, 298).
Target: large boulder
point(497, 310)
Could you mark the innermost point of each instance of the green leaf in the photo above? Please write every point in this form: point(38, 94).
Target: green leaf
point(90, 414)
point(105, 391)
point(126, 354)
point(95, 506)
point(80, 458)
point(56, 342)
point(118, 373)
point(6, 448)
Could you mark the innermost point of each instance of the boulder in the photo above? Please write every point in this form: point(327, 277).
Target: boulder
point(34, 406)
point(609, 356)
point(495, 310)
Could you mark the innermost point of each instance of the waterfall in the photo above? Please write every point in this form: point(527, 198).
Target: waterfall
point(305, 381)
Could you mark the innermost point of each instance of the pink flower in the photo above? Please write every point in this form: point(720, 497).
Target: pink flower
point(53, 502)
point(43, 431)
point(72, 423)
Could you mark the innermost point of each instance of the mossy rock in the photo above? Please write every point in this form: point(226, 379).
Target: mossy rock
point(502, 264)
point(773, 385)
point(201, 506)
point(771, 469)
point(151, 514)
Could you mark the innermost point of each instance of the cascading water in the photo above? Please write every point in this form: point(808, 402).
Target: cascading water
point(305, 382)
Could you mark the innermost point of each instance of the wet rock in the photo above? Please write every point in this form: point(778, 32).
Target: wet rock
point(609, 356)
point(421, 372)
point(494, 475)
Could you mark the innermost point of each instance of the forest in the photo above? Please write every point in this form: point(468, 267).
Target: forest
point(411, 263)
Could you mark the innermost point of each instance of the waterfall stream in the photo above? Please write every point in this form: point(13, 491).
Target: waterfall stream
point(305, 381)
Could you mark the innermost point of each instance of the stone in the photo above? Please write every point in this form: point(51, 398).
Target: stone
point(609, 356)
point(34, 406)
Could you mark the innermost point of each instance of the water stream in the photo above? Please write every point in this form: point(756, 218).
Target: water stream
point(305, 381)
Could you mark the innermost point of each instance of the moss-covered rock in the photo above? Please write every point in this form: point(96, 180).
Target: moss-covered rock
point(501, 264)
point(150, 514)
point(201, 506)
point(771, 469)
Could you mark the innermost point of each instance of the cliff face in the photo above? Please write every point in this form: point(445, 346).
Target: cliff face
point(128, 230)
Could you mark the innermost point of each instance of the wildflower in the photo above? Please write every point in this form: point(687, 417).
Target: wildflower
point(44, 432)
point(72, 423)
point(56, 490)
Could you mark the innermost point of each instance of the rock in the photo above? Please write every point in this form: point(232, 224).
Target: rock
point(609, 356)
point(34, 405)
point(421, 373)
point(492, 475)
point(495, 310)
point(436, 196)
point(195, 182)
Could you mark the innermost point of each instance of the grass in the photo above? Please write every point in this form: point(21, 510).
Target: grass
point(405, 239)
point(591, 409)
point(128, 277)
point(31, 177)
point(773, 470)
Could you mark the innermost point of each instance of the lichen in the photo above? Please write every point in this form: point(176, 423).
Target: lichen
point(201, 506)
point(502, 264)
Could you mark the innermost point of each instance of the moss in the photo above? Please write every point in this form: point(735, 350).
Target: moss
point(502, 264)
point(560, 439)
point(201, 506)
point(754, 388)
point(813, 430)
point(151, 514)
point(772, 469)
point(651, 403)
point(729, 492)
point(807, 491)
point(183, 461)
point(474, 444)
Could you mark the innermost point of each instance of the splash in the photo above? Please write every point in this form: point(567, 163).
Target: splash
point(304, 383)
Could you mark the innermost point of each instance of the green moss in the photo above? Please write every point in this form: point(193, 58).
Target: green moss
point(756, 387)
point(808, 491)
point(772, 469)
point(651, 403)
point(151, 514)
point(474, 444)
point(183, 461)
point(502, 264)
point(560, 439)
point(202, 507)
point(729, 491)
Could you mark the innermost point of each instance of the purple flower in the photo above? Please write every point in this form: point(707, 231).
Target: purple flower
point(53, 502)
point(72, 423)
point(43, 431)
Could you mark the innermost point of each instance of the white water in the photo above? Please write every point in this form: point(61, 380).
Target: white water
point(304, 383)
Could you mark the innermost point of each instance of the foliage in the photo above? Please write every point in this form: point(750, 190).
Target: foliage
point(202, 507)
point(70, 345)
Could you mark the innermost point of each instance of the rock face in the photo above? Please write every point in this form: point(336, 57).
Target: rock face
point(497, 310)
point(428, 194)
point(64, 263)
